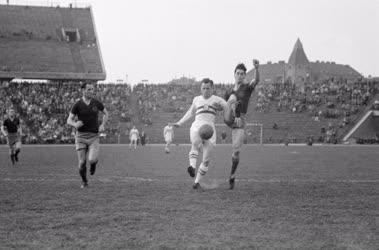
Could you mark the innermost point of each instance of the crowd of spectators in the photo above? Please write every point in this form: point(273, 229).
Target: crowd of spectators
point(43, 107)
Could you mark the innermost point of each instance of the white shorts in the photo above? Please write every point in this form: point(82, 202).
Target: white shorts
point(168, 138)
point(133, 138)
point(194, 132)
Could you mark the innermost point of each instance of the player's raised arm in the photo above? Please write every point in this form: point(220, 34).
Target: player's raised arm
point(188, 115)
point(256, 79)
point(105, 119)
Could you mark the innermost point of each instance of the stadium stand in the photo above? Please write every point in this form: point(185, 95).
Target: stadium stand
point(286, 114)
point(49, 43)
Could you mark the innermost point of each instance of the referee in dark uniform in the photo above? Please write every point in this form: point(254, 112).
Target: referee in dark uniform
point(84, 117)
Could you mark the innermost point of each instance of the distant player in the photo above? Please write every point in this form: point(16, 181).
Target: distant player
point(238, 101)
point(223, 136)
point(204, 108)
point(133, 137)
point(11, 129)
point(168, 134)
point(84, 117)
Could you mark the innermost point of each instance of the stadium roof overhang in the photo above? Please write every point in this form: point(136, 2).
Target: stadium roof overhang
point(52, 75)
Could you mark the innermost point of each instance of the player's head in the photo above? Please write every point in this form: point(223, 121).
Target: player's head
point(240, 73)
point(206, 87)
point(11, 112)
point(88, 89)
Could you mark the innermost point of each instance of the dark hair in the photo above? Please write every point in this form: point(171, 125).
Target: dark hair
point(83, 85)
point(240, 66)
point(207, 80)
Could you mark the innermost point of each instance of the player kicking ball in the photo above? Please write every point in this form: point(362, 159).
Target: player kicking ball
point(11, 129)
point(234, 116)
point(86, 111)
point(202, 133)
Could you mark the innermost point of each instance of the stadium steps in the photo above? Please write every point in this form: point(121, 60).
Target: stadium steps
point(74, 47)
point(359, 116)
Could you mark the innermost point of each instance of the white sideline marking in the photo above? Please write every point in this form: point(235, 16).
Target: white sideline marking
point(187, 144)
point(208, 182)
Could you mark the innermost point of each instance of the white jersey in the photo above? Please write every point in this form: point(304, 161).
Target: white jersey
point(206, 109)
point(168, 133)
point(134, 134)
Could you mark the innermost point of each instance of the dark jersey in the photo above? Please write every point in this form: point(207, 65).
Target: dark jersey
point(243, 94)
point(11, 125)
point(88, 114)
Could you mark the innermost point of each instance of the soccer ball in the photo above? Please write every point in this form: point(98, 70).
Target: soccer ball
point(167, 150)
point(206, 132)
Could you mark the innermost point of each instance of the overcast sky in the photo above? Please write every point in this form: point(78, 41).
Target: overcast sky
point(159, 40)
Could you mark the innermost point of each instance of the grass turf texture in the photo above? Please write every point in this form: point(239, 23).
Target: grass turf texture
point(285, 197)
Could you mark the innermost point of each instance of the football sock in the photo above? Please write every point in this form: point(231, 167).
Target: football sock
point(235, 162)
point(201, 172)
point(93, 167)
point(83, 172)
point(16, 154)
point(193, 155)
point(12, 158)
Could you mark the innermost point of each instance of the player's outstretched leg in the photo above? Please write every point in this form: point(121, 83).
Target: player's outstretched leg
point(167, 149)
point(192, 156)
point(235, 161)
point(12, 158)
point(203, 169)
point(238, 136)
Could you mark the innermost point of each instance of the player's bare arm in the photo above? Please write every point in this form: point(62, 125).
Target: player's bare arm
point(71, 121)
point(256, 79)
point(188, 115)
point(105, 119)
point(19, 129)
point(4, 131)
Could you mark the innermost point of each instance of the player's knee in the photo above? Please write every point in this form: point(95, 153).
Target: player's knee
point(82, 163)
point(92, 161)
point(236, 155)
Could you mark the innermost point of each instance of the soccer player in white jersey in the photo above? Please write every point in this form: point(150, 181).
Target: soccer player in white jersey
point(204, 108)
point(133, 136)
point(168, 134)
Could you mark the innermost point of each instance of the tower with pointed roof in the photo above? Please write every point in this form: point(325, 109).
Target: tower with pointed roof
point(298, 67)
point(300, 71)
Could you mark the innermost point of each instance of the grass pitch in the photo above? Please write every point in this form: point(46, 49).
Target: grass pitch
point(296, 197)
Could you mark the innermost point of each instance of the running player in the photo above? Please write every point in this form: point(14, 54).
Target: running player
point(235, 115)
point(133, 137)
point(11, 129)
point(204, 108)
point(168, 134)
point(84, 117)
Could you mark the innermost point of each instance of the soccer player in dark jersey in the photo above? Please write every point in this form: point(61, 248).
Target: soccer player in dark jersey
point(235, 117)
point(11, 129)
point(84, 117)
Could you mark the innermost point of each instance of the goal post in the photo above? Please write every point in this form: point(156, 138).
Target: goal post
point(253, 133)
